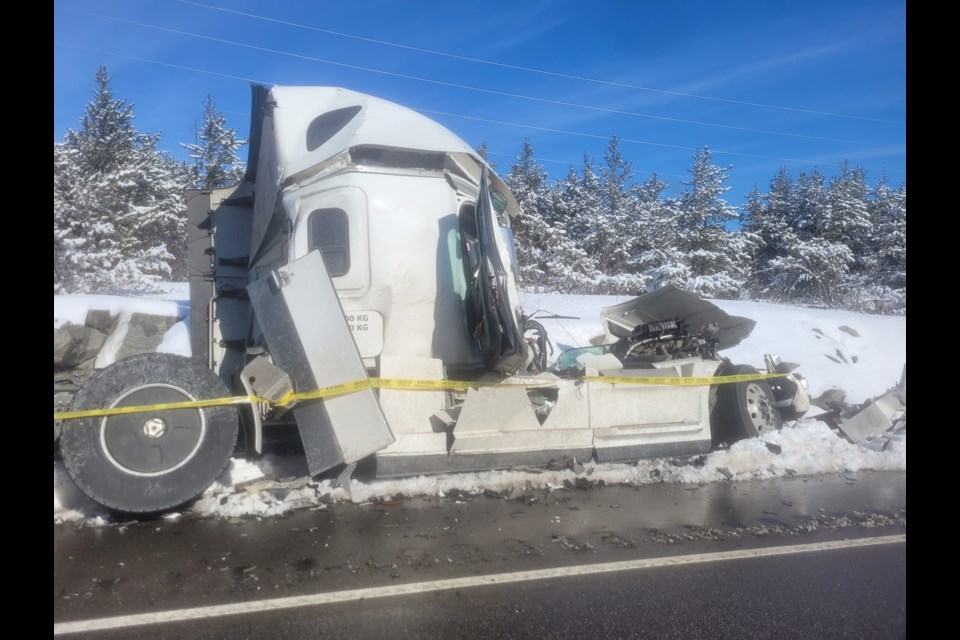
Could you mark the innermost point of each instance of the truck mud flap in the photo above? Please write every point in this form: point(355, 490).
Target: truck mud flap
point(298, 310)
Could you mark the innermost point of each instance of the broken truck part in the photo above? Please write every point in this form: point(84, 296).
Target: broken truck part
point(367, 242)
point(877, 417)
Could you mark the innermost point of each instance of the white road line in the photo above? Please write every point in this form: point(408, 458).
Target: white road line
point(273, 604)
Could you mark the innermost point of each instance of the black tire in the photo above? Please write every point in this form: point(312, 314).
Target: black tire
point(153, 461)
point(743, 409)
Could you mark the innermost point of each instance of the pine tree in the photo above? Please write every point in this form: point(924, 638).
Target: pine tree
point(118, 209)
point(808, 217)
point(849, 224)
point(813, 271)
point(528, 180)
point(615, 234)
point(887, 279)
point(717, 260)
point(578, 210)
point(547, 257)
point(216, 163)
point(655, 255)
point(766, 217)
point(485, 154)
point(802, 254)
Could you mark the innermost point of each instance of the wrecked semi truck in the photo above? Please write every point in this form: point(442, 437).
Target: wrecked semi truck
point(359, 286)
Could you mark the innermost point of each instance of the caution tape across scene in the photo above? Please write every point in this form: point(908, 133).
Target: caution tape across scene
point(403, 384)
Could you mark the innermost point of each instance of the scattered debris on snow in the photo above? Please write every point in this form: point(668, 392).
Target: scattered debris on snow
point(870, 423)
point(873, 353)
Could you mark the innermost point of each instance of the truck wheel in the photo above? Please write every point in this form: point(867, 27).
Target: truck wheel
point(744, 409)
point(156, 460)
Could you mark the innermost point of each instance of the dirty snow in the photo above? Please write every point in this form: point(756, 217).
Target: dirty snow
point(274, 485)
point(170, 302)
point(73, 309)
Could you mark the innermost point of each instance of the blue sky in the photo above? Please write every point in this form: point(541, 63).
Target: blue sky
point(763, 84)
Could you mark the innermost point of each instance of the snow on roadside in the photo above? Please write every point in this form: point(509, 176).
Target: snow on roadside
point(873, 352)
point(860, 353)
point(274, 485)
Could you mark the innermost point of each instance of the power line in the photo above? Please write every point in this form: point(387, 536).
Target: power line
point(532, 69)
point(570, 162)
point(479, 119)
point(468, 87)
point(174, 66)
point(643, 142)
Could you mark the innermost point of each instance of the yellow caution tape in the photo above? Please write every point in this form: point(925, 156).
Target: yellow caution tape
point(402, 384)
point(684, 382)
point(164, 406)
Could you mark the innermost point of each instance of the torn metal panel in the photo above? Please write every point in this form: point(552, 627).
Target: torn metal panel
point(875, 420)
point(410, 413)
point(300, 315)
point(502, 421)
point(669, 303)
point(571, 410)
point(634, 420)
point(491, 410)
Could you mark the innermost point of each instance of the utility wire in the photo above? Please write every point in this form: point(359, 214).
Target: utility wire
point(468, 87)
point(476, 118)
point(173, 66)
point(644, 142)
point(532, 69)
point(580, 163)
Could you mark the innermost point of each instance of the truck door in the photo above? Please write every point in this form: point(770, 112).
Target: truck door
point(500, 333)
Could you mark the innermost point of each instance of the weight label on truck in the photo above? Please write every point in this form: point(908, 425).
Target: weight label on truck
point(367, 330)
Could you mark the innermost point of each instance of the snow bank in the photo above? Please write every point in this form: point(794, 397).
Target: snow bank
point(274, 485)
point(866, 355)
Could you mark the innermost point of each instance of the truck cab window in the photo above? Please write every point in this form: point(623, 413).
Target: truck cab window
point(330, 233)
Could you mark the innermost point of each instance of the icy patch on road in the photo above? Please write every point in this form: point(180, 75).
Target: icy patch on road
point(274, 485)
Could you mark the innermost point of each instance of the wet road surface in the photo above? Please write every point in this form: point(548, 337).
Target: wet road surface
point(160, 565)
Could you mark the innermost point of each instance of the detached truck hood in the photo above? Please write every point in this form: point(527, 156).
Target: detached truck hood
point(670, 303)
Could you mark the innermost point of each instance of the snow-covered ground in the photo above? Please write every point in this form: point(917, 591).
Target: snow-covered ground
point(872, 361)
point(866, 358)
